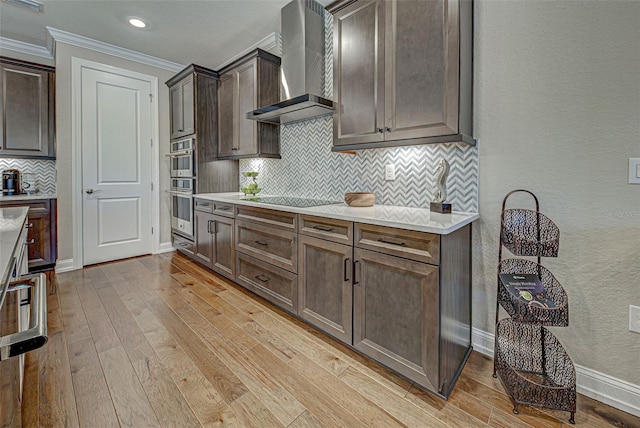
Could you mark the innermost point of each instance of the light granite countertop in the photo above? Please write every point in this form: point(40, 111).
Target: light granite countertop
point(12, 221)
point(418, 219)
point(25, 197)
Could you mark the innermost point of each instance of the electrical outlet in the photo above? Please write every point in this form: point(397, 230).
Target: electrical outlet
point(634, 170)
point(634, 318)
point(389, 172)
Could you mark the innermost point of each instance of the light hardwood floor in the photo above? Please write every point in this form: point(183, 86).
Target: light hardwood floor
point(161, 341)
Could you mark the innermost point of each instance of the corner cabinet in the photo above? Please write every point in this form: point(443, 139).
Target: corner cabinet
point(251, 82)
point(402, 72)
point(27, 110)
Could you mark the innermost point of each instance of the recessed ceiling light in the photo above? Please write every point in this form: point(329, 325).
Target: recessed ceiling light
point(136, 22)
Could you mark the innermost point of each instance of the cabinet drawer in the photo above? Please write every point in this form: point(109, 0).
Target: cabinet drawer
point(183, 245)
point(418, 246)
point(340, 231)
point(223, 209)
point(274, 284)
point(203, 205)
point(272, 218)
point(275, 246)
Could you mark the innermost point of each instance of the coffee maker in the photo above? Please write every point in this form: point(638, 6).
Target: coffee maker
point(10, 182)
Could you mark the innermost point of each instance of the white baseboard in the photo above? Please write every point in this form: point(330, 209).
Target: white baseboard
point(599, 386)
point(165, 247)
point(65, 265)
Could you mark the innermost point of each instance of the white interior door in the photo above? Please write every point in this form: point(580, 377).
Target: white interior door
point(116, 166)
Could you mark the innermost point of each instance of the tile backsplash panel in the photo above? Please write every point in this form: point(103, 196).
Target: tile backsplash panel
point(44, 170)
point(309, 168)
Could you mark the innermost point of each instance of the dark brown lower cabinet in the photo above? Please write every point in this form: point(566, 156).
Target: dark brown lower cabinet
point(395, 314)
point(42, 241)
point(400, 297)
point(277, 285)
point(214, 242)
point(324, 286)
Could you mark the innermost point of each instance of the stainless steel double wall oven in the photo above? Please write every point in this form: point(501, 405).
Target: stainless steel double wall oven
point(182, 157)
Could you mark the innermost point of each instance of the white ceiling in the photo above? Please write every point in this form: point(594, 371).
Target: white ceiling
point(206, 32)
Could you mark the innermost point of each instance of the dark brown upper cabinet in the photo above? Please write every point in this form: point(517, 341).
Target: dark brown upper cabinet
point(182, 108)
point(250, 82)
point(402, 72)
point(193, 98)
point(27, 110)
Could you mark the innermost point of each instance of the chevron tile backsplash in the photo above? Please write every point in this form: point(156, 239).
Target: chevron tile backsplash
point(44, 170)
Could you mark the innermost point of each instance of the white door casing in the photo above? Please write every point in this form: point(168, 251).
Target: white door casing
point(115, 164)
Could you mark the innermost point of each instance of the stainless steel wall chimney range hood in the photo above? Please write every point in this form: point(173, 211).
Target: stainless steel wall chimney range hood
point(302, 66)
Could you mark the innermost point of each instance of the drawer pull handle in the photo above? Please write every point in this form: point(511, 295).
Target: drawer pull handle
point(203, 204)
point(355, 264)
point(386, 241)
point(31, 241)
point(262, 278)
point(346, 263)
point(29, 226)
point(323, 228)
point(261, 243)
point(223, 208)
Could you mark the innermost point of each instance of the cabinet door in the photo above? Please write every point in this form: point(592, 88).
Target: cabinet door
point(223, 245)
point(226, 135)
point(324, 286)
point(24, 111)
point(358, 73)
point(202, 223)
point(421, 68)
point(175, 100)
point(182, 108)
point(38, 238)
point(395, 319)
point(188, 106)
point(247, 100)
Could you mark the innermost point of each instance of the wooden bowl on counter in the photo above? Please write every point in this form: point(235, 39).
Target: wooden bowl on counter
point(360, 199)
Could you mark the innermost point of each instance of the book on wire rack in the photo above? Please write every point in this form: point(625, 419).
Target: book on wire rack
point(528, 288)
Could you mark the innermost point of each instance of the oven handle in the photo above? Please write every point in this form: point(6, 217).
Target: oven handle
point(178, 192)
point(33, 338)
point(180, 153)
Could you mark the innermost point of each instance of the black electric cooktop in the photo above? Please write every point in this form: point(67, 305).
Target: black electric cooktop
point(292, 201)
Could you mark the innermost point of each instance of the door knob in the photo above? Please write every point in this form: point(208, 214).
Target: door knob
point(90, 191)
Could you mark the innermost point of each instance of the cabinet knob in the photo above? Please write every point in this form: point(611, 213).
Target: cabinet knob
point(387, 129)
point(380, 130)
point(90, 191)
point(234, 148)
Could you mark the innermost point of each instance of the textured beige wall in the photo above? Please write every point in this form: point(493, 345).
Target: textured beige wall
point(64, 53)
point(557, 111)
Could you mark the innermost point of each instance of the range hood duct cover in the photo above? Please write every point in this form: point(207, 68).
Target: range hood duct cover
point(302, 66)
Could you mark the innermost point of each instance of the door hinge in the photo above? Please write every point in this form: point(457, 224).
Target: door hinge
point(150, 97)
point(152, 230)
point(152, 142)
point(152, 187)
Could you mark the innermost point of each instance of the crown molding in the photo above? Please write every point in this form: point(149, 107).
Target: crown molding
point(25, 48)
point(98, 46)
point(272, 44)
